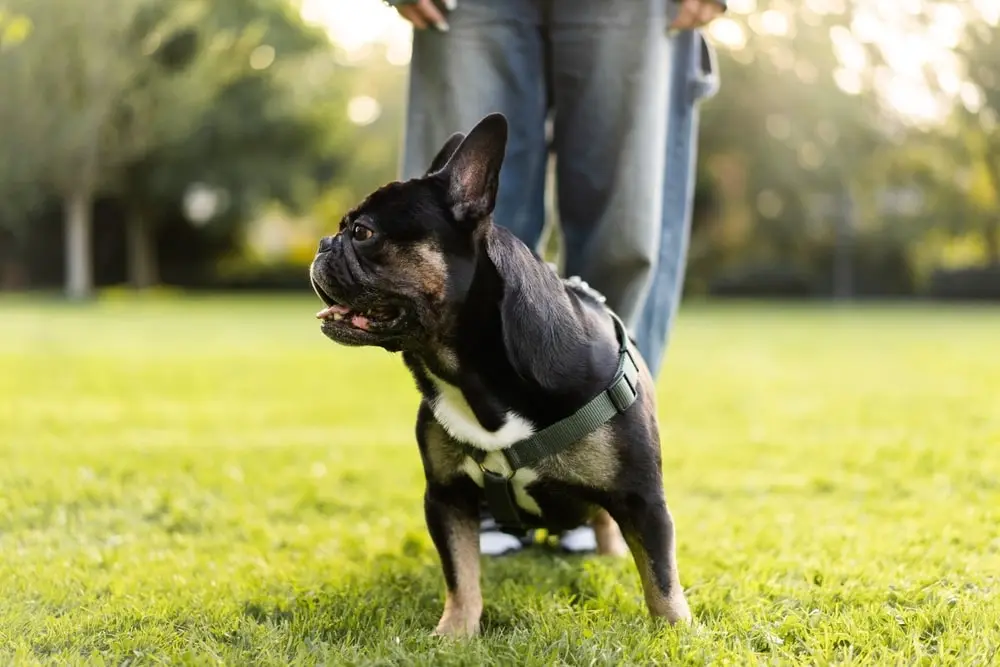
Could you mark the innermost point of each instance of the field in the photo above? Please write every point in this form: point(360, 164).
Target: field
point(210, 480)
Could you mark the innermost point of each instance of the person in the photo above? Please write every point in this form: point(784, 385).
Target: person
point(605, 69)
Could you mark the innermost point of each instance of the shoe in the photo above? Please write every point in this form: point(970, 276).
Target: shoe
point(580, 540)
point(495, 542)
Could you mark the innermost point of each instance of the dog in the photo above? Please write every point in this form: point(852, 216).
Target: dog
point(504, 352)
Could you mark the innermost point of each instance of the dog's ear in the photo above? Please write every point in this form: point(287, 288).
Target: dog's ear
point(546, 339)
point(473, 171)
point(447, 150)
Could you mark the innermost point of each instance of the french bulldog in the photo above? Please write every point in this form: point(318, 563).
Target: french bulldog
point(501, 349)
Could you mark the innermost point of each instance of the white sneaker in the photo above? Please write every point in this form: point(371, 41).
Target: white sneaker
point(496, 543)
point(579, 540)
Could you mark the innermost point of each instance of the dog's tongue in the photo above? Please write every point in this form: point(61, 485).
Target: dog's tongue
point(334, 309)
point(358, 320)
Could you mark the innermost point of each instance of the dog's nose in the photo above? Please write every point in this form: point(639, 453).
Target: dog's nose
point(325, 244)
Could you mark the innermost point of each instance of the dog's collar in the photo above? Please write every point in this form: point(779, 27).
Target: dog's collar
point(558, 437)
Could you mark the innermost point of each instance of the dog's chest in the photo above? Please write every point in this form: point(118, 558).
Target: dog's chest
point(453, 412)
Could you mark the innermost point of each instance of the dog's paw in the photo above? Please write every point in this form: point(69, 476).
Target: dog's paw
point(455, 626)
point(678, 612)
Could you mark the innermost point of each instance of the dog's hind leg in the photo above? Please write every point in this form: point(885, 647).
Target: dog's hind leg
point(454, 528)
point(649, 531)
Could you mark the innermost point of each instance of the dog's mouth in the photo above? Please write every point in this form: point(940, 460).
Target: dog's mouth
point(375, 318)
point(372, 320)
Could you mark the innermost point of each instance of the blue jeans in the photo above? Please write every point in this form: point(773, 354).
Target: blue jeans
point(693, 78)
point(602, 66)
point(624, 96)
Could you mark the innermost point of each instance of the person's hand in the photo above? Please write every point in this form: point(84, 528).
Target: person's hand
point(424, 13)
point(696, 13)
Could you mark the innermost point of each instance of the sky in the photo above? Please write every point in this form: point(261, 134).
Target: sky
point(357, 24)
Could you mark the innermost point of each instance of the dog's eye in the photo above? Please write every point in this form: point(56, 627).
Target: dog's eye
point(361, 233)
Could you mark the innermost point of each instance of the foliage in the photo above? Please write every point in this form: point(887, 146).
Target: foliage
point(208, 480)
point(267, 132)
point(803, 140)
point(98, 84)
point(143, 100)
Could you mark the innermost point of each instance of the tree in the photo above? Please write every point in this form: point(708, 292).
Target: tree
point(97, 85)
point(821, 106)
point(262, 136)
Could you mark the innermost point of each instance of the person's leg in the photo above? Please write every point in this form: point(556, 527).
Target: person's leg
point(692, 79)
point(610, 62)
point(492, 59)
point(610, 91)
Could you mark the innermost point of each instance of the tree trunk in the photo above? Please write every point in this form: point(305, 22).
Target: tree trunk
point(992, 232)
point(79, 262)
point(843, 251)
point(143, 271)
point(991, 236)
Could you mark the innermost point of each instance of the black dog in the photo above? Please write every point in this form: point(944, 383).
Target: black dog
point(533, 396)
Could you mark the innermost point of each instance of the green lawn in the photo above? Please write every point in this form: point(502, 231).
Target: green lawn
point(212, 480)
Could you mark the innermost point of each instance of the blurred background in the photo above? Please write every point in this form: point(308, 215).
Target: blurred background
point(853, 149)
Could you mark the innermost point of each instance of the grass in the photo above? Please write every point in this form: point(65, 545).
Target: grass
point(203, 481)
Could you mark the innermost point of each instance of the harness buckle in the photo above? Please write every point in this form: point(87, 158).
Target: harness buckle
point(625, 389)
point(493, 473)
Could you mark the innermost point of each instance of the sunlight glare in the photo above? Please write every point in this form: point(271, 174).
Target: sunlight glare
point(946, 26)
point(728, 33)
point(989, 10)
point(774, 22)
point(950, 82)
point(849, 52)
point(913, 99)
point(866, 27)
point(824, 7)
point(972, 97)
point(356, 26)
point(848, 81)
point(363, 110)
point(742, 6)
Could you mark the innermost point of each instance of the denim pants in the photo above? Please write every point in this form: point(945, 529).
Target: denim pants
point(604, 68)
point(693, 78)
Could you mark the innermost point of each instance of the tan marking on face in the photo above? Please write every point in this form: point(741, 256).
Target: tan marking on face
point(609, 537)
point(463, 607)
point(425, 261)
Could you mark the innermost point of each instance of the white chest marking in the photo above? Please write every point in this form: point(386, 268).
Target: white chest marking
point(452, 411)
point(454, 414)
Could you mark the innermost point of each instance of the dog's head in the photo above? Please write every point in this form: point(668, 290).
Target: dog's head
point(401, 261)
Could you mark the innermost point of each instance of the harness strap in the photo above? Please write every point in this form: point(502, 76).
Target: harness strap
point(556, 438)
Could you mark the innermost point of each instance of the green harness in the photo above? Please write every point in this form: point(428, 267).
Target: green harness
point(560, 436)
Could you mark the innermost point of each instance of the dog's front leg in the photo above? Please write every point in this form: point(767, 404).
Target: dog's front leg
point(452, 520)
point(649, 531)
